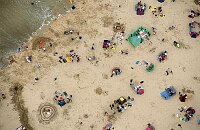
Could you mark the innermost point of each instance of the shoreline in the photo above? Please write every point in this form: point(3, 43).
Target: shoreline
point(22, 46)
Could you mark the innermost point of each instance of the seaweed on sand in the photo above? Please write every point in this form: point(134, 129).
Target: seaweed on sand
point(16, 92)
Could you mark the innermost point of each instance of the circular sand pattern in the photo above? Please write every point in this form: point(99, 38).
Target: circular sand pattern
point(46, 112)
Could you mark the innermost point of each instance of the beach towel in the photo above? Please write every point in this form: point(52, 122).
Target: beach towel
point(152, 8)
point(140, 12)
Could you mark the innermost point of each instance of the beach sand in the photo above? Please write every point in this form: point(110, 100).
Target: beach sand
point(94, 20)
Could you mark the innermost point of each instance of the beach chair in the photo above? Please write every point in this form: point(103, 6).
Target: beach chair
point(169, 92)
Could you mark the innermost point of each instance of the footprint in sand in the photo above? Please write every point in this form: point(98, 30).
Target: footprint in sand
point(66, 114)
point(42, 95)
point(105, 76)
point(152, 104)
point(196, 78)
point(99, 90)
point(85, 115)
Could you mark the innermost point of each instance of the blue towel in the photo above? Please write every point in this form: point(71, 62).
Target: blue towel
point(165, 95)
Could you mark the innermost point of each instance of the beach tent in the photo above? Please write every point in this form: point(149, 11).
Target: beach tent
point(138, 36)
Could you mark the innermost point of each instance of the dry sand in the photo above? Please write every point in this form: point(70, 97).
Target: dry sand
point(94, 20)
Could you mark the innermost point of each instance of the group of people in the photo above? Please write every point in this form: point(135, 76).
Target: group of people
point(121, 104)
point(140, 8)
point(116, 71)
point(194, 33)
point(107, 44)
point(189, 112)
point(71, 57)
point(171, 90)
point(162, 56)
point(194, 13)
point(29, 58)
point(62, 98)
point(182, 97)
point(137, 88)
point(157, 11)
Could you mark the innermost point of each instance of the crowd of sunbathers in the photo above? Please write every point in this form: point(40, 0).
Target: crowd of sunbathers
point(71, 57)
point(189, 112)
point(121, 104)
point(162, 56)
point(141, 7)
